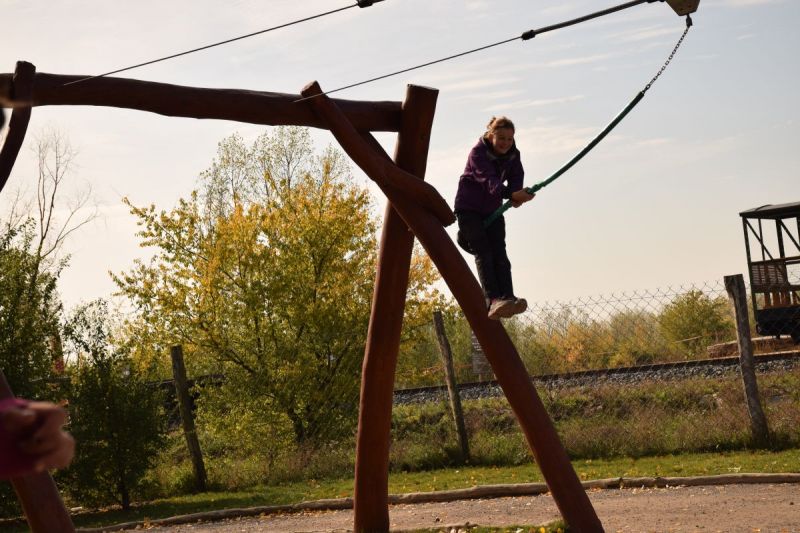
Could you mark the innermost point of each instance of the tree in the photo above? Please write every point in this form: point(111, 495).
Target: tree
point(266, 275)
point(694, 321)
point(31, 241)
point(115, 416)
point(29, 314)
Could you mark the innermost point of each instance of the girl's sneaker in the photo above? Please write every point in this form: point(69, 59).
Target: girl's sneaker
point(502, 308)
point(507, 307)
point(520, 305)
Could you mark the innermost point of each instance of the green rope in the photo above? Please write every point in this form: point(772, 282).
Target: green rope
point(636, 99)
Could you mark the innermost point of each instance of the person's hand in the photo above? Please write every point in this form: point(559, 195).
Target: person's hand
point(520, 197)
point(36, 429)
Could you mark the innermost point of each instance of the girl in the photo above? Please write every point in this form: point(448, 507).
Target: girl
point(493, 172)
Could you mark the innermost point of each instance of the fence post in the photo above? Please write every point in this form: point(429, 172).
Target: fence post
point(758, 421)
point(452, 389)
point(185, 406)
point(38, 494)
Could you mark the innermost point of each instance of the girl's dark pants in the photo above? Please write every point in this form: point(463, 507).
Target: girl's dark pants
point(488, 245)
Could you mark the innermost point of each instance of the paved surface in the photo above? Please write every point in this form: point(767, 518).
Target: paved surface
point(727, 508)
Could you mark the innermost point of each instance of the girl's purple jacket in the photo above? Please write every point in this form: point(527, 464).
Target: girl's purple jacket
point(488, 178)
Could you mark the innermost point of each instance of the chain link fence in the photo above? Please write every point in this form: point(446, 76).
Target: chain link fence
point(631, 374)
point(642, 373)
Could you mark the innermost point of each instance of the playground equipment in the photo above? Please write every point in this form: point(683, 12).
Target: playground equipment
point(413, 204)
point(774, 268)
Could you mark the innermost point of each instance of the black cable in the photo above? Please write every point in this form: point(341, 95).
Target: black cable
point(359, 3)
point(530, 34)
point(411, 68)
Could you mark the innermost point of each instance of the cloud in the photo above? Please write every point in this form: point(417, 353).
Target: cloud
point(540, 102)
point(644, 34)
point(658, 141)
point(474, 84)
point(570, 61)
point(548, 139)
point(748, 3)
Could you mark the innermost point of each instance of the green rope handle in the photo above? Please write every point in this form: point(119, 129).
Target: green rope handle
point(636, 99)
point(531, 190)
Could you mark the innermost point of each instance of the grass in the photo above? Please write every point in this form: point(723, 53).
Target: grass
point(455, 478)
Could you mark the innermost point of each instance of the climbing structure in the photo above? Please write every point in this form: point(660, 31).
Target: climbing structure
point(413, 204)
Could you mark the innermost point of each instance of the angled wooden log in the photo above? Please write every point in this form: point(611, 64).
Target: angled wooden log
point(38, 494)
point(511, 374)
point(20, 86)
point(371, 506)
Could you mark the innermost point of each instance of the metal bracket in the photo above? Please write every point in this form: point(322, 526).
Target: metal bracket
point(683, 7)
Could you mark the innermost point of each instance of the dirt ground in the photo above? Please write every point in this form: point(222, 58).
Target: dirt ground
point(727, 508)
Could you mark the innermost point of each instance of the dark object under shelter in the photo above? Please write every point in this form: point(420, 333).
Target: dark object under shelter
point(772, 242)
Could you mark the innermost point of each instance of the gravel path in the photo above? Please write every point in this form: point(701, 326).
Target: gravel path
point(727, 508)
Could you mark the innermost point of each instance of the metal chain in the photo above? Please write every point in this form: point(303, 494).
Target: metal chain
point(671, 55)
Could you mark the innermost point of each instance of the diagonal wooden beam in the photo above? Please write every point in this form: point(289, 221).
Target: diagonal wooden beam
point(386, 174)
point(19, 87)
point(511, 373)
point(38, 494)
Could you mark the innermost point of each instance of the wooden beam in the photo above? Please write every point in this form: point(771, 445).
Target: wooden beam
point(382, 170)
point(371, 492)
point(254, 107)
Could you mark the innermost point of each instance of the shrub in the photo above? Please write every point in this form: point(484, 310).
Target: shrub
point(115, 416)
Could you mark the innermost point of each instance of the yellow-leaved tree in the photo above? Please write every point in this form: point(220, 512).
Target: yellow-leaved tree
point(265, 276)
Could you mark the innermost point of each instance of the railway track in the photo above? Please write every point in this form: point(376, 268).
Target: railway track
point(702, 368)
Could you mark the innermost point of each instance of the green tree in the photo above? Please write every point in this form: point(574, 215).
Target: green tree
point(266, 275)
point(33, 232)
point(635, 338)
point(29, 314)
point(694, 320)
point(115, 416)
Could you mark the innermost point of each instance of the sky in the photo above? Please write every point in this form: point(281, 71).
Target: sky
point(654, 206)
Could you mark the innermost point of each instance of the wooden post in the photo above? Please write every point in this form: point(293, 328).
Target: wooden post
point(452, 388)
point(21, 88)
point(38, 494)
point(758, 421)
point(371, 491)
point(185, 405)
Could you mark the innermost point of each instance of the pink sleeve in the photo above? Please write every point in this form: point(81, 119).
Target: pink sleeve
point(13, 463)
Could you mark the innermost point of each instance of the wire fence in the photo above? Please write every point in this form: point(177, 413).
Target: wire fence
point(641, 373)
point(632, 374)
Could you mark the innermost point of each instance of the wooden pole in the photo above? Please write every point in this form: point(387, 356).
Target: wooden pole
point(20, 87)
point(38, 494)
point(511, 373)
point(185, 406)
point(371, 491)
point(253, 107)
point(452, 388)
point(759, 428)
